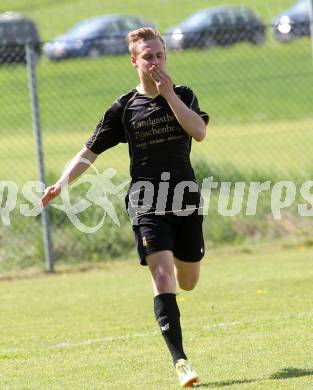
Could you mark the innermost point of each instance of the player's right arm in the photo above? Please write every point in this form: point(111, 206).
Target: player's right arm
point(78, 165)
point(108, 133)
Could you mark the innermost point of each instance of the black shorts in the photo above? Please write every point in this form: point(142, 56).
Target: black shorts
point(179, 234)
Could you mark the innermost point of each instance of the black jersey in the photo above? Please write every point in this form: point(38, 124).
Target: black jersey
point(157, 142)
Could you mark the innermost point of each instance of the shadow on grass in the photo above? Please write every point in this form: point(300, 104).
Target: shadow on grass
point(291, 372)
point(285, 373)
point(225, 383)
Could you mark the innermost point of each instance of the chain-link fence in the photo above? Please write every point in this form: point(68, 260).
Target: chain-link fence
point(252, 74)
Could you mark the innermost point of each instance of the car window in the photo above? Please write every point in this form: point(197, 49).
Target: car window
point(111, 28)
point(301, 6)
point(228, 17)
point(85, 29)
point(243, 16)
point(197, 19)
point(217, 20)
point(129, 24)
point(241, 19)
point(18, 31)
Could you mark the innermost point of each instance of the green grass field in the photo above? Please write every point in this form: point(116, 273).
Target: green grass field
point(248, 325)
point(279, 150)
point(259, 99)
point(261, 114)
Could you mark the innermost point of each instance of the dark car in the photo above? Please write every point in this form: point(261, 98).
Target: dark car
point(94, 37)
point(294, 22)
point(15, 32)
point(217, 26)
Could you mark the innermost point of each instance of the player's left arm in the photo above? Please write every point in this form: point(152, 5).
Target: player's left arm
point(190, 121)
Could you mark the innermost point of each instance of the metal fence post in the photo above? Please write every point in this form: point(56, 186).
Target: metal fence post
point(31, 67)
point(311, 25)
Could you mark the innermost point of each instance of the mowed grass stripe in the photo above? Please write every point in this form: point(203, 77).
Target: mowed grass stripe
point(279, 148)
point(267, 295)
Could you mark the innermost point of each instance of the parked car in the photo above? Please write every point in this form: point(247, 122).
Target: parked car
point(95, 37)
point(217, 26)
point(294, 22)
point(15, 31)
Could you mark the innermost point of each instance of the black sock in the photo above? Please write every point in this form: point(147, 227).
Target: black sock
point(168, 317)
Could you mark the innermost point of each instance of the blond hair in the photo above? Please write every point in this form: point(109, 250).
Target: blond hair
point(142, 34)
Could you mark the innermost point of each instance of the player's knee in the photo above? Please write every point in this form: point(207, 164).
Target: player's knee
point(187, 285)
point(164, 280)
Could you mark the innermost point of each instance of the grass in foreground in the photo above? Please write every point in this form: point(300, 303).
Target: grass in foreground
point(248, 325)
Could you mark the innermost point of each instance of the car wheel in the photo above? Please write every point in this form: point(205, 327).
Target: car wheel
point(94, 52)
point(258, 39)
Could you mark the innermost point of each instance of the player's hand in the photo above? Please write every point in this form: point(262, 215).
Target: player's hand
point(50, 193)
point(162, 81)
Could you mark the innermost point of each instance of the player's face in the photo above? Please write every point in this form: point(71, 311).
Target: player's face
point(149, 53)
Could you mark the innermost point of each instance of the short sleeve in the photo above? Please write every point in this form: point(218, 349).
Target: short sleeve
point(191, 101)
point(109, 131)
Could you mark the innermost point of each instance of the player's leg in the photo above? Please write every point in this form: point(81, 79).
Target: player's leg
point(154, 238)
point(187, 274)
point(188, 250)
point(161, 265)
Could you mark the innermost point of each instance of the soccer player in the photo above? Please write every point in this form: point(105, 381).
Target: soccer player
point(158, 120)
